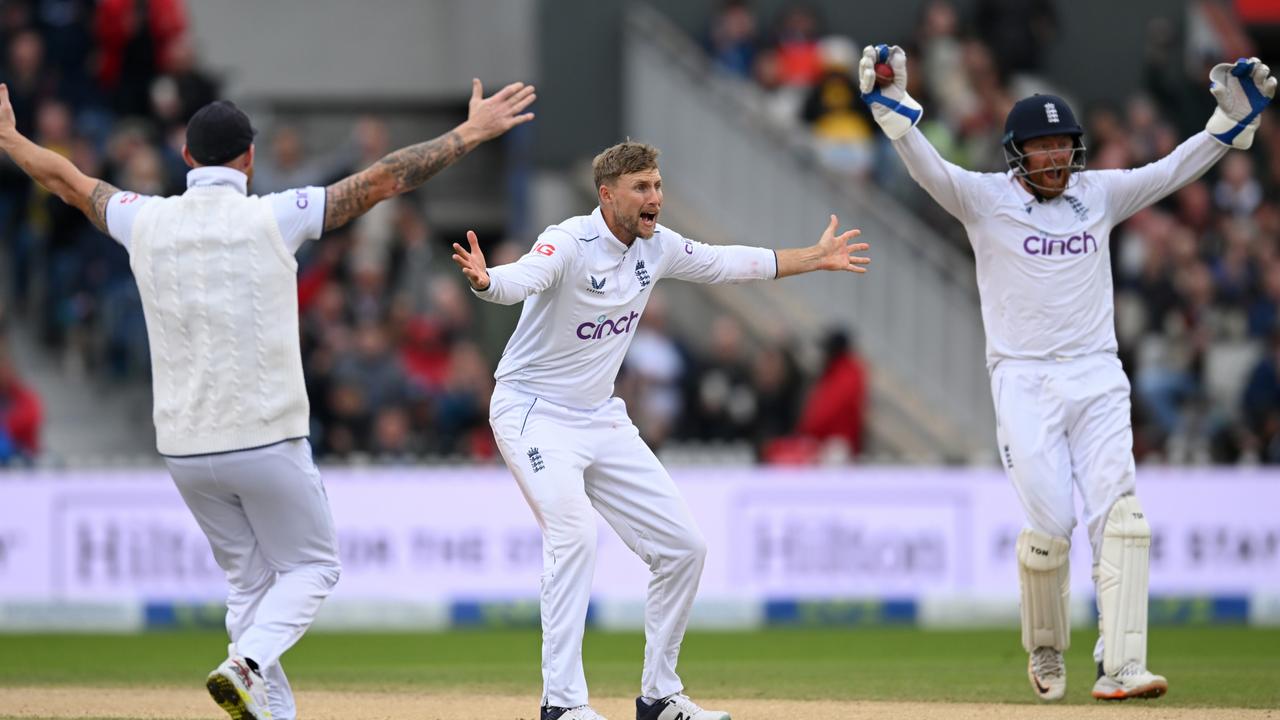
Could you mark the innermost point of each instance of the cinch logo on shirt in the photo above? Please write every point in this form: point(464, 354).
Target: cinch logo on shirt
point(604, 327)
point(1074, 245)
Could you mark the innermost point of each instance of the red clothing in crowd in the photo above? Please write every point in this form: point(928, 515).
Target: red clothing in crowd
point(837, 405)
point(116, 26)
point(20, 416)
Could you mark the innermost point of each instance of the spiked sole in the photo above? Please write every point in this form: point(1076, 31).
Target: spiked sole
point(1146, 692)
point(229, 698)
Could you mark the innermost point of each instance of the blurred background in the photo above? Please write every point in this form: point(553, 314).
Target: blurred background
point(738, 388)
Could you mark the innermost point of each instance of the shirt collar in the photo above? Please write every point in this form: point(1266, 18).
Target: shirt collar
point(218, 175)
point(610, 240)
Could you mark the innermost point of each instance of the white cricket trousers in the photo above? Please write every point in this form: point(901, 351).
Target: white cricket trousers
point(267, 519)
point(1061, 424)
point(568, 461)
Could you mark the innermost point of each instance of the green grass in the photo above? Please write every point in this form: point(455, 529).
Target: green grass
point(862, 664)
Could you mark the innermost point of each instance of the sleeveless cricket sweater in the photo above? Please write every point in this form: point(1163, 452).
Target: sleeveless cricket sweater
point(219, 293)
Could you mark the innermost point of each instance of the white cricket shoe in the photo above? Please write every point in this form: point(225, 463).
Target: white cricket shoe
point(676, 707)
point(1048, 673)
point(1131, 681)
point(581, 712)
point(239, 689)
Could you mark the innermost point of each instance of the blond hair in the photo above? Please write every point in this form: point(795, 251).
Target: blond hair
point(621, 159)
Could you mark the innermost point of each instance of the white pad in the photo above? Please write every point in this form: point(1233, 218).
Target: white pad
point(1044, 576)
point(1122, 585)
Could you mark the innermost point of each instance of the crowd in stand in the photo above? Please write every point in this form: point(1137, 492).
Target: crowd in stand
point(398, 357)
point(734, 392)
point(1197, 277)
point(399, 366)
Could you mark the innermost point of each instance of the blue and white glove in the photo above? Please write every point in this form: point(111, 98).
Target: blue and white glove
point(891, 106)
point(1243, 90)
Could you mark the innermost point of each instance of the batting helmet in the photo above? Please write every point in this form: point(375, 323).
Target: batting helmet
point(1040, 116)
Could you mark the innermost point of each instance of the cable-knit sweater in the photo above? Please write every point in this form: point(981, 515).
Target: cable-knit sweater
point(219, 291)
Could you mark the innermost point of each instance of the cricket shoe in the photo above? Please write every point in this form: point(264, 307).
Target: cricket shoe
point(1048, 674)
point(581, 712)
point(1131, 681)
point(676, 707)
point(239, 689)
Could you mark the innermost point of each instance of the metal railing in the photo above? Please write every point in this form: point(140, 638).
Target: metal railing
point(738, 178)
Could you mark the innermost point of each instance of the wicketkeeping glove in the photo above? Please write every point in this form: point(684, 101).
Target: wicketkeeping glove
point(891, 106)
point(1242, 90)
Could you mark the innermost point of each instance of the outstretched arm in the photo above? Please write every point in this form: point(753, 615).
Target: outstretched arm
point(56, 173)
point(407, 168)
point(1242, 89)
point(539, 269)
point(833, 252)
point(714, 264)
point(898, 113)
point(1128, 191)
point(950, 185)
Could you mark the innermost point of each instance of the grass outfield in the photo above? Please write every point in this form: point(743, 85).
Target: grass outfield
point(863, 664)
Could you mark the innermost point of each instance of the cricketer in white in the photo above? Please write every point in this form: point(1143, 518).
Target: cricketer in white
point(217, 278)
point(1040, 235)
point(570, 444)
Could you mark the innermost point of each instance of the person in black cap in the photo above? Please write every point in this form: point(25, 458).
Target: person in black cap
point(216, 272)
point(1040, 233)
point(217, 134)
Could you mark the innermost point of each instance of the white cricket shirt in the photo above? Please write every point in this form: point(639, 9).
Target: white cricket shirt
point(584, 293)
point(1044, 268)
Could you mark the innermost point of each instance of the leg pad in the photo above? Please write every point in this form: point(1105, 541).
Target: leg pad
point(1044, 578)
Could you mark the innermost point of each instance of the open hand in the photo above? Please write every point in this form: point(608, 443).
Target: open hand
point(472, 262)
point(8, 124)
point(494, 115)
point(836, 252)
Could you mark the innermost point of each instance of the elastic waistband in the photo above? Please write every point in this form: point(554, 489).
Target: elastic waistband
point(1056, 360)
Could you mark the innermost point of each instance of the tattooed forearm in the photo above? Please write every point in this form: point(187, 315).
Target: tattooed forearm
point(98, 199)
point(415, 164)
point(348, 199)
point(398, 172)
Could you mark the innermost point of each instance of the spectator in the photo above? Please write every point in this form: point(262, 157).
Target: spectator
point(653, 376)
point(373, 368)
point(135, 38)
point(20, 415)
point(1237, 193)
point(463, 411)
point(1019, 32)
point(796, 43)
point(1261, 402)
point(837, 404)
point(285, 164)
point(942, 71)
point(190, 86)
point(778, 387)
point(731, 38)
point(839, 120)
point(725, 406)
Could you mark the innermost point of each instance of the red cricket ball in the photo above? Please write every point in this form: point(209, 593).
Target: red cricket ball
point(884, 74)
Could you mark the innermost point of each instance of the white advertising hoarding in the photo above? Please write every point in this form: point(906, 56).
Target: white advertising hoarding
point(435, 535)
